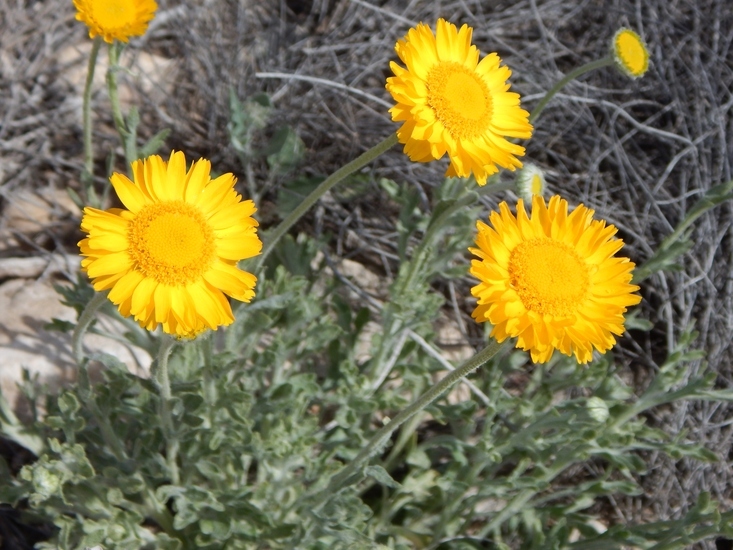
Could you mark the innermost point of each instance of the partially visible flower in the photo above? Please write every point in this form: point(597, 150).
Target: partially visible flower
point(115, 19)
point(170, 257)
point(551, 280)
point(449, 102)
point(630, 53)
point(530, 182)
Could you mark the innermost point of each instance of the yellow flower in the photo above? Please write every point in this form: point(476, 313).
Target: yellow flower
point(450, 103)
point(530, 182)
point(171, 255)
point(630, 53)
point(551, 280)
point(115, 19)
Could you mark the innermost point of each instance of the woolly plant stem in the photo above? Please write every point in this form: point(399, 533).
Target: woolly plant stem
point(162, 381)
point(593, 65)
point(85, 319)
point(88, 171)
point(327, 184)
point(377, 442)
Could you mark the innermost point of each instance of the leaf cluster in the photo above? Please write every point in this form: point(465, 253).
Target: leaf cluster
point(265, 413)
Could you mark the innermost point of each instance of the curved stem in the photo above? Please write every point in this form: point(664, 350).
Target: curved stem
point(377, 442)
point(593, 65)
point(327, 184)
point(162, 380)
point(87, 175)
point(85, 319)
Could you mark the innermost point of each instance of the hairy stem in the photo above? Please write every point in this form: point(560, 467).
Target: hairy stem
point(87, 175)
point(377, 442)
point(85, 319)
point(208, 381)
point(162, 381)
point(593, 65)
point(327, 184)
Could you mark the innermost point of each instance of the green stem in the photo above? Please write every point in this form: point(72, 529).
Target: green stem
point(419, 256)
point(359, 162)
point(114, 99)
point(160, 513)
point(423, 249)
point(593, 65)
point(105, 427)
point(208, 381)
point(87, 175)
point(85, 319)
point(86, 392)
point(377, 442)
point(403, 439)
point(520, 500)
point(162, 381)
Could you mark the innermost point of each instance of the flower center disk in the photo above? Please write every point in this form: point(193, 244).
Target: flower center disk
point(632, 53)
point(171, 242)
point(549, 276)
point(460, 100)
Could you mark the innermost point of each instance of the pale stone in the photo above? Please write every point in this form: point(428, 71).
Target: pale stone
point(31, 211)
point(27, 306)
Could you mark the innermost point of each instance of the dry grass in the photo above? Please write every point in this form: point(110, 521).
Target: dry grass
point(640, 153)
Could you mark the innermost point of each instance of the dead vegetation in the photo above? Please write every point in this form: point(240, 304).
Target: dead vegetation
point(639, 152)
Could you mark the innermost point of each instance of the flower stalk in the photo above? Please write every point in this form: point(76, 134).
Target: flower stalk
point(377, 442)
point(87, 175)
point(85, 319)
point(572, 75)
point(325, 186)
point(208, 380)
point(162, 381)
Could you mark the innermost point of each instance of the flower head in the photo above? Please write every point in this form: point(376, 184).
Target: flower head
point(171, 255)
point(630, 53)
point(530, 182)
point(551, 280)
point(449, 102)
point(115, 19)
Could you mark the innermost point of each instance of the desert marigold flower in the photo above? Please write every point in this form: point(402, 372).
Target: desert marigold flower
point(530, 182)
point(630, 53)
point(551, 280)
point(171, 255)
point(450, 103)
point(115, 19)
